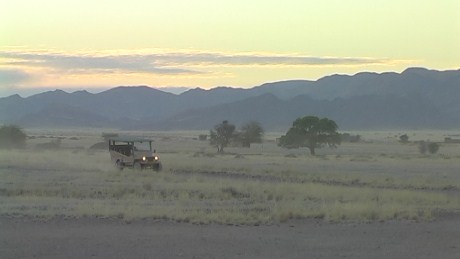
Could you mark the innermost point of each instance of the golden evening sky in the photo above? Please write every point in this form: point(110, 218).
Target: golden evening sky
point(92, 44)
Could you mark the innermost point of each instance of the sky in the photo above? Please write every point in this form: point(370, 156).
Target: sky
point(95, 45)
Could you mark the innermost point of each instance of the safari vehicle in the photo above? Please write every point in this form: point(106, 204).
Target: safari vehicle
point(132, 152)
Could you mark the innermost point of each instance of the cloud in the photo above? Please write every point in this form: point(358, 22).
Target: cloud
point(245, 59)
point(157, 61)
point(90, 63)
point(11, 77)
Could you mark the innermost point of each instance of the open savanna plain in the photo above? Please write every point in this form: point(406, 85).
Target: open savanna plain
point(377, 185)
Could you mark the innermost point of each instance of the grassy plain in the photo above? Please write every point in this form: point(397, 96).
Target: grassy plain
point(376, 179)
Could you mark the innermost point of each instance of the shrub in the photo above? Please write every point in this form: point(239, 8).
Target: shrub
point(430, 147)
point(251, 132)
point(422, 147)
point(433, 148)
point(404, 139)
point(12, 136)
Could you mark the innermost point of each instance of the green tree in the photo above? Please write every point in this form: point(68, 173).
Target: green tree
point(12, 136)
point(251, 132)
point(222, 134)
point(311, 132)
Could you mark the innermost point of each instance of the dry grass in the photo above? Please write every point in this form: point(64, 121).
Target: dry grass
point(259, 186)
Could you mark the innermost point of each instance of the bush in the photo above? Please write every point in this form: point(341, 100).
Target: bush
point(430, 147)
point(433, 148)
point(404, 139)
point(422, 147)
point(12, 136)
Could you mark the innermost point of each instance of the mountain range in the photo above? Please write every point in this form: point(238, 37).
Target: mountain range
point(417, 98)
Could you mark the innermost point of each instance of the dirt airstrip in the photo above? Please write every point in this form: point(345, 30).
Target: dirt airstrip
point(117, 238)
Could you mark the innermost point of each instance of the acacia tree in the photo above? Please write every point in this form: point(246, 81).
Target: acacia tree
point(222, 135)
point(311, 132)
point(251, 132)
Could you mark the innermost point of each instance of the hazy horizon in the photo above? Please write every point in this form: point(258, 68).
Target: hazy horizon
point(27, 92)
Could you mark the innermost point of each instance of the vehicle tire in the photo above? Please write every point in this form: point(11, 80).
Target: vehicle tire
point(158, 167)
point(119, 165)
point(137, 166)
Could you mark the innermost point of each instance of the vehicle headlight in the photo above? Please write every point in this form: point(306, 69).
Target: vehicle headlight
point(144, 158)
point(156, 158)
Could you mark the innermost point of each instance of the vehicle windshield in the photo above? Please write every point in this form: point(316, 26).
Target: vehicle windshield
point(142, 146)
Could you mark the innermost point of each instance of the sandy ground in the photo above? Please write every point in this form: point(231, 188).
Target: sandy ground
point(115, 238)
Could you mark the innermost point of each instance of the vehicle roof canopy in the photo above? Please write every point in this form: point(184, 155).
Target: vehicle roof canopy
point(130, 139)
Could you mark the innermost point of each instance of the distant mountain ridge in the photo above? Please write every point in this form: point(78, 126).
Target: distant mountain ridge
point(417, 98)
